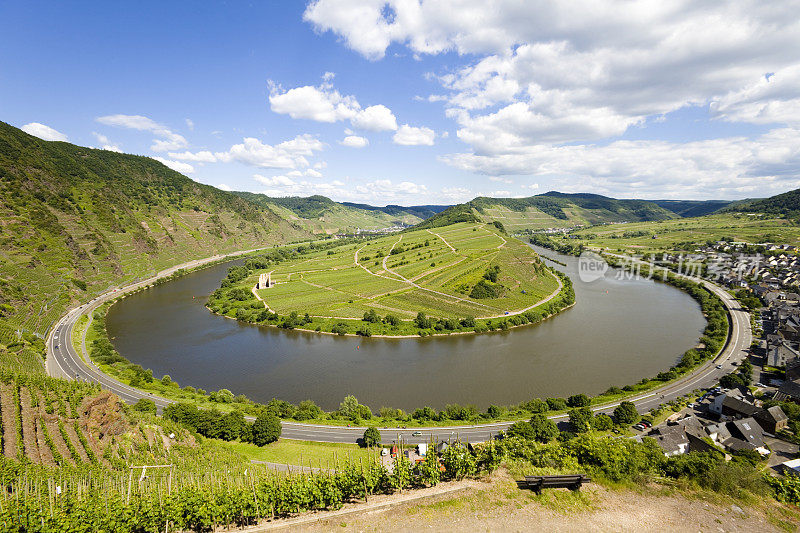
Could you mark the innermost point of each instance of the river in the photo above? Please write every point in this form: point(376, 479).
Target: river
point(618, 332)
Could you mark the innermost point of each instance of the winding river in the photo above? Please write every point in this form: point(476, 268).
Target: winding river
point(618, 332)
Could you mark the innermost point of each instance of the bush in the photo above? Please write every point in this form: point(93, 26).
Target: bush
point(544, 429)
point(578, 400)
point(266, 429)
point(580, 419)
point(556, 404)
point(145, 406)
point(626, 413)
point(372, 437)
point(520, 429)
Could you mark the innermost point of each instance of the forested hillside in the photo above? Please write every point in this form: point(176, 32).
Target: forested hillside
point(786, 204)
point(550, 210)
point(320, 214)
point(75, 221)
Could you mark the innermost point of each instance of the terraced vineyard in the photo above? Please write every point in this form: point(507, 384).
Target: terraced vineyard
point(433, 271)
point(59, 423)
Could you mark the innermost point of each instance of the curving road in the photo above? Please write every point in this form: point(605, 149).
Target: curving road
point(64, 361)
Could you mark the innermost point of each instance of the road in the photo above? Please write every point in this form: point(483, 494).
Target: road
point(64, 361)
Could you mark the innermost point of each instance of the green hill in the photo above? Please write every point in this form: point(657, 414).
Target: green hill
point(319, 214)
point(692, 208)
point(550, 210)
point(75, 221)
point(786, 205)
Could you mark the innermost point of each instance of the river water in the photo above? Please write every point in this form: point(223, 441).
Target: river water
point(618, 332)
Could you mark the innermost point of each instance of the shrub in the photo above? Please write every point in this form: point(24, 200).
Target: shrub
point(626, 413)
point(266, 429)
point(145, 405)
point(372, 437)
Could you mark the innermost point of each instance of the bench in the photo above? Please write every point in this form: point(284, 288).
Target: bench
point(570, 481)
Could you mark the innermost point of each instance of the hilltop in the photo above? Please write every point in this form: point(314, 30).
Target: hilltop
point(321, 215)
point(785, 205)
point(76, 221)
point(550, 210)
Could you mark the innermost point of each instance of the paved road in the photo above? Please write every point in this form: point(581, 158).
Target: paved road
point(64, 361)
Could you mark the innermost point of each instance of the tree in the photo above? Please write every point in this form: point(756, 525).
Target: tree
point(521, 429)
point(145, 406)
point(307, 410)
point(371, 316)
point(602, 422)
point(349, 406)
point(494, 411)
point(372, 437)
point(556, 404)
point(543, 429)
point(266, 429)
point(422, 321)
point(391, 320)
point(626, 413)
point(578, 400)
point(580, 419)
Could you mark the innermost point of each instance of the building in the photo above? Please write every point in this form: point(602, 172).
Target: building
point(781, 354)
point(264, 280)
point(789, 391)
point(772, 420)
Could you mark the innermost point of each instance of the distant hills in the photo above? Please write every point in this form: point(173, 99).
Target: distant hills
point(786, 204)
point(319, 214)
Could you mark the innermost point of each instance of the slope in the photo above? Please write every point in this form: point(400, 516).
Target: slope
point(320, 214)
point(550, 210)
point(75, 221)
point(786, 204)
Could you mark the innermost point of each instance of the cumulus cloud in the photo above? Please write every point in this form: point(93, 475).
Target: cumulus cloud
point(714, 168)
point(411, 136)
point(46, 133)
point(535, 73)
point(286, 155)
point(381, 190)
point(183, 168)
point(457, 194)
point(105, 143)
point(167, 139)
point(354, 141)
point(224, 186)
point(203, 156)
point(323, 103)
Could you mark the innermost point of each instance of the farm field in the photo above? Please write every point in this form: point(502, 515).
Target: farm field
point(684, 234)
point(433, 271)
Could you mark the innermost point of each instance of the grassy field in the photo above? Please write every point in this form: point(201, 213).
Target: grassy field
point(685, 234)
point(298, 452)
point(429, 271)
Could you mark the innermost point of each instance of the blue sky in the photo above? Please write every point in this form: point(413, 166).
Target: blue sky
point(411, 103)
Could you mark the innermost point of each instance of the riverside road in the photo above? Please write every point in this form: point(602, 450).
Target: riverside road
point(65, 361)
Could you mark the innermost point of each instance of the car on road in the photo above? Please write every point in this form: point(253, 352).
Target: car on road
point(416, 434)
point(646, 424)
point(639, 427)
point(719, 366)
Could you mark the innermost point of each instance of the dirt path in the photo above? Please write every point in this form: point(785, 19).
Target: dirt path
point(501, 506)
point(9, 412)
point(29, 427)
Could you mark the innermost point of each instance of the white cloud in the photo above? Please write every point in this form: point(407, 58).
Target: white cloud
point(167, 139)
point(46, 133)
point(457, 194)
point(412, 136)
point(388, 191)
point(326, 104)
point(224, 187)
point(290, 154)
point(190, 124)
point(375, 118)
point(203, 156)
point(354, 141)
point(312, 173)
point(271, 181)
point(553, 72)
point(500, 180)
point(105, 143)
point(183, 168)
point(532, 186)
point(716, 168)
point(384, 191)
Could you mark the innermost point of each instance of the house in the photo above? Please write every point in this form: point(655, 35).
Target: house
point(735, 402)
point(746, 434)
point(772, 420)
point(672, 440)
point(781, 354)
point(788, 391)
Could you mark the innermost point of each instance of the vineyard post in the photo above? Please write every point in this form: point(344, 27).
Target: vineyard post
point(130, 482)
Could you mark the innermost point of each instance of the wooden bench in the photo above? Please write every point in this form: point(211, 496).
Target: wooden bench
point(570, 481)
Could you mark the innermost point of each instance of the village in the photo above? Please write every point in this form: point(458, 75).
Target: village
point(748, 416)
